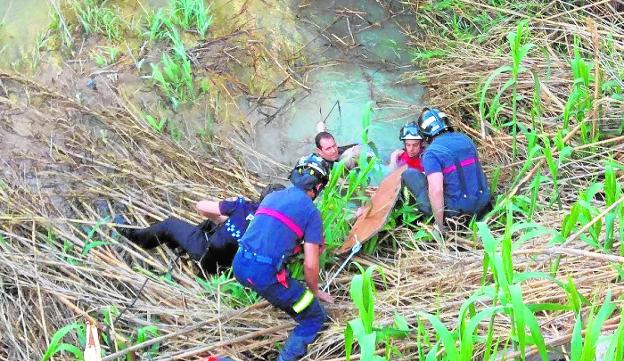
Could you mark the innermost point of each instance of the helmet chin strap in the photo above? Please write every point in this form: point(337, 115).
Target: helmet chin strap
point(316, 191)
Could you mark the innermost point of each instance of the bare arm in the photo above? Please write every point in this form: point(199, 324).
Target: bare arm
point(394, 160)
point(436, 197)
point(311, 254)
point(210, 210)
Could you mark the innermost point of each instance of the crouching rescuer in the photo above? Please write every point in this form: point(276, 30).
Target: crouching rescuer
point(453, 183)
point(282, 221)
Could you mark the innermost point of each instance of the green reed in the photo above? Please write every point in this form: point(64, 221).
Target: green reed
point(190, 14)
point(584, 348)
point(57, 346)
point(95, 18)
point(362, 329)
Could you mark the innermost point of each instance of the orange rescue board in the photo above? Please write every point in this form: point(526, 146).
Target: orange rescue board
point(375, 215)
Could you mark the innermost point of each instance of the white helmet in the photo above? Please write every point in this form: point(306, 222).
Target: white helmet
point(410, 131)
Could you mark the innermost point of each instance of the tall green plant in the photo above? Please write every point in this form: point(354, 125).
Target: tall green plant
point(363, 329)
point(57, 345)
point(341, 190)
point(588, 211)
point(58, 27)
point(459, 344)
point(534, 149)
point(555, 163)
point(506, 289)
point(158, 24)
point(585, 211)
point(612, 191)
point(175, 79)
point(174, 75)
point(615, 350)
point(580, 99)
point(536, 104)
point(518, 50)
point(584, 348)
point(536, 186)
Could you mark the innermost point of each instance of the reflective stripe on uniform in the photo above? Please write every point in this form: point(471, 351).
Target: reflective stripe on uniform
point(282, 218)
point(305, 301)
point(406, 194)
point(462, 163)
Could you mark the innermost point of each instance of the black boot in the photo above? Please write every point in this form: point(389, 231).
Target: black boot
point(121, 221)
point(126, 232)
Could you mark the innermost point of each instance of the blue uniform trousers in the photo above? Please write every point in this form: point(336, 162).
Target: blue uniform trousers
point(416, 182)
point(262, 278)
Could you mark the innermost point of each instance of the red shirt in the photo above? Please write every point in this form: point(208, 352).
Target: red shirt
point(411, 162)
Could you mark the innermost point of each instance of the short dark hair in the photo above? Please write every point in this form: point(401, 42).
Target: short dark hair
point(322, 135)
point(270, 188)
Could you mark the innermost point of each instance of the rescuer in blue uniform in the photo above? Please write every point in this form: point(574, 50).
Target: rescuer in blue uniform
point(455, 183)
point(283, 220)
point(213, 242)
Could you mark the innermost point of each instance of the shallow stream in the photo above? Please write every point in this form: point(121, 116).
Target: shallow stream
point(351, 53)
point(360, 56)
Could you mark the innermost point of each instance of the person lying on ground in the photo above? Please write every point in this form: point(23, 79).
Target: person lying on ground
point(214, 242)
point(453, 182)
point(282, 221)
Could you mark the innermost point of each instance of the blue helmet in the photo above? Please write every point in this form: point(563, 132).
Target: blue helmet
point(310, 171)
point(432, 122)
point(410, 131)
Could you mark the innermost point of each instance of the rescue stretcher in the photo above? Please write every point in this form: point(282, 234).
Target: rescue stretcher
point(375, 215)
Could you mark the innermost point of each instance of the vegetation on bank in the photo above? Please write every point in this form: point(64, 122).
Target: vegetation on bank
point(187, 51)
point(545, 84)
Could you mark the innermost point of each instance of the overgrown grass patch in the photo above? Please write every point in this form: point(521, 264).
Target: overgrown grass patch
point(95, 17)
point(105, 55)
point(188, 15)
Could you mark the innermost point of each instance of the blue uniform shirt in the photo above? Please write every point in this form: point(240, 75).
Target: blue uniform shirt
point(443, 154)
point(270, 237)
point(240, 213)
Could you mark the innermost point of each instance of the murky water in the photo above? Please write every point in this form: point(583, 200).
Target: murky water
point(356, 49)
point(20, 23)
point(365, 63)
point(23, 22)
